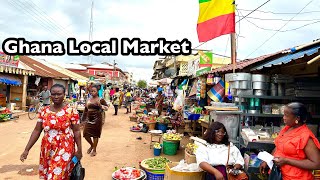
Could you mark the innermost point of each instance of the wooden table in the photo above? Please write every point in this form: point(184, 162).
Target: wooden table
point(204, 127)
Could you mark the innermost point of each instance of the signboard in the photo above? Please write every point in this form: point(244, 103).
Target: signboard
point(7, 60)
point(91, 78)
point(203, 70)
point(205, 59)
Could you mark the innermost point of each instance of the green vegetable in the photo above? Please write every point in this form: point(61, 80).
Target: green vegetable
point(157, 163)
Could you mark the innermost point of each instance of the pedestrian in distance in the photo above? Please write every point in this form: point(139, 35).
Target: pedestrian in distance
point(60, 123)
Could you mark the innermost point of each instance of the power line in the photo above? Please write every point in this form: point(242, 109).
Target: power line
point(279, 19)
point(27, 12)
point(268, 29)
point(271, 12)
point(279, 29)
point(253, 10)
point(39, 13)
point(242, 18)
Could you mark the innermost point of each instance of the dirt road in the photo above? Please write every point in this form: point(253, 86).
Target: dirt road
point(117, 147)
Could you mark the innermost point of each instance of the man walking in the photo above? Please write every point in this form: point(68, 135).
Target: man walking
point(45, 94)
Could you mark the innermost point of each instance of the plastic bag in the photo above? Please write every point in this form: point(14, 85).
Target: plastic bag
point(78, 172)
point(275, 173)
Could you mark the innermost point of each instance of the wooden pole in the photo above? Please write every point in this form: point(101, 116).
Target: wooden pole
point(233, 51)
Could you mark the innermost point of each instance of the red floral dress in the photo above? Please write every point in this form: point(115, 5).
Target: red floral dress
point(58, 144)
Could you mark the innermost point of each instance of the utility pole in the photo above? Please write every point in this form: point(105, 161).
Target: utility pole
point(114, 69)
point(91, 31)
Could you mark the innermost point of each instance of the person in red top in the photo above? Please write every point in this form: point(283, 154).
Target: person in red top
point(297, 150)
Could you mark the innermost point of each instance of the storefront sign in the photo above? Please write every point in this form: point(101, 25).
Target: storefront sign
point(205, 59)
point(7, 60)
point(203, 70)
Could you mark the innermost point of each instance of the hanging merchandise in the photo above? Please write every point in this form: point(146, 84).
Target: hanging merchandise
point(198, 94)
point(216, 79)
point(210, 79)
point(179, 101)
point(203, 88)
point(217, 92)
point(193, 90)
point(37, 81)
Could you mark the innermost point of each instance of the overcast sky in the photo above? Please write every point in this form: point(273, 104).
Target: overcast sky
point(151, 19)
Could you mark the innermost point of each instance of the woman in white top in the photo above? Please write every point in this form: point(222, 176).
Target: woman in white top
point(213, 156)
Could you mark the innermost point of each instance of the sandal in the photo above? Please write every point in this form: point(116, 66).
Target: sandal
point(89, 150)
point(93, 154)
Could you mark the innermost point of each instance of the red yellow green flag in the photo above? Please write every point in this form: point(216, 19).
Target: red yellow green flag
point(216, 18)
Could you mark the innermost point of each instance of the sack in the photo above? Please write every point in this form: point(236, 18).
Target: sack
point(275, 173)
point(231, 176)
point(78, 172)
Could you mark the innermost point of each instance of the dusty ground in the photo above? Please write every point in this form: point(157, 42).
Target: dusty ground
point(117, 147)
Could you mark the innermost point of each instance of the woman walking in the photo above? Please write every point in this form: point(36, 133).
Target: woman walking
point(92, 115)
point(60, 123)
point(128, 100)
point(116, 101)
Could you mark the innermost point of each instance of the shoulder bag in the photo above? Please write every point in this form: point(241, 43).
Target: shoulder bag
point(240, 175)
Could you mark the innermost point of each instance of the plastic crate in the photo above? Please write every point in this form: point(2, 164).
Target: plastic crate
point(193, 117)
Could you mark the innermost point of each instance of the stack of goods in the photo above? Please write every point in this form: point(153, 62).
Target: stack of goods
point(308, 87)
point(239, 83)
point(278, 84)
point(128, 173)
point(260, 84)
point(172, 136)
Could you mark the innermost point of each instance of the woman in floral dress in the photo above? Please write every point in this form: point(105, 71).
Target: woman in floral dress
point(60, 123)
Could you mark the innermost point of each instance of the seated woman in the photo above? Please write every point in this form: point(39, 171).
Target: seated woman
point(213, 156)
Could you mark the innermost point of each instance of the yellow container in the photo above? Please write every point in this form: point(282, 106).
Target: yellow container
point(175, 175)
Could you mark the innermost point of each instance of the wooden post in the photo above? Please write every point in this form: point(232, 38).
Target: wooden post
point(233, 51)
point(24, 93)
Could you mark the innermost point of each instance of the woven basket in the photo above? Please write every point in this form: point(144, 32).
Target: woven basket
point(189, 158)
point(133, 119)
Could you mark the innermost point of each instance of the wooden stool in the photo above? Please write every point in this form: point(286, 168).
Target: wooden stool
point(155, 135)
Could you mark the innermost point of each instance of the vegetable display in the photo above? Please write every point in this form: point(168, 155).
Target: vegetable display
point(127, 174)
point(157, 162)
point(172, 136)
point(157, 146)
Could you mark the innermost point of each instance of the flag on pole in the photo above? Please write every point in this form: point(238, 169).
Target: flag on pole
point(216, 18)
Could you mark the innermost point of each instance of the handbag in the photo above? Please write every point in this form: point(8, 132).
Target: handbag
point(275, 173)
point(241, 176)
point(78, 172)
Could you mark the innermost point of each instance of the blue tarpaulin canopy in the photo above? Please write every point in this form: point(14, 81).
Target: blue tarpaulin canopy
point(287, 58)
point(10, 80)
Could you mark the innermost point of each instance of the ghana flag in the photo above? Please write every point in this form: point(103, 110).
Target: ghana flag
point(216, 18)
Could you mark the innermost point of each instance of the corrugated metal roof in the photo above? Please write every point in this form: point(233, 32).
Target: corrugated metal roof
point(287, 58)
point(74, 66)
point(57, 67)
point(243, 64)
point(41, 69)
point(101, 66)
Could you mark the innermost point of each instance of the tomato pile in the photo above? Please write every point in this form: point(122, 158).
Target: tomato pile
point(127, 174)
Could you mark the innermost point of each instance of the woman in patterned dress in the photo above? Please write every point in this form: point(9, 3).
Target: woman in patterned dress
point(60, 123)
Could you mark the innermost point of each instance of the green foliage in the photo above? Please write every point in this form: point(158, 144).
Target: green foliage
point(142, 84)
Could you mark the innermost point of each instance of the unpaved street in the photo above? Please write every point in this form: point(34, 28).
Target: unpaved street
point(117, 147)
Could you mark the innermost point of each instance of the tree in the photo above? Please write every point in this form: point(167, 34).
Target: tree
point(142, 84)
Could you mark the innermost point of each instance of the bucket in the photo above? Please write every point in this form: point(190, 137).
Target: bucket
point(162, 127)
point(170, 147)
point(156, 152)
point(152, 126)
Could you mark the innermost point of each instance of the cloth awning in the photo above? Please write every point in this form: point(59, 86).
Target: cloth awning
point(10, 80)
point(288, 58)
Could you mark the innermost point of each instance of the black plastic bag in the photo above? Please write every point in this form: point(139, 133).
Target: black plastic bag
point(78, 172)
point(275, 173)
